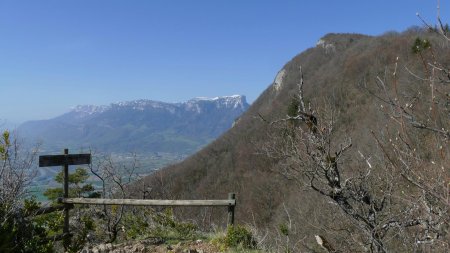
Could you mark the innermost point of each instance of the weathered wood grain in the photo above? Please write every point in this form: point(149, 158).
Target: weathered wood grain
point(150, 202)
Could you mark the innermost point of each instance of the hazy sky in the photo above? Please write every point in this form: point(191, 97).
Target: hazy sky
point(58, 54)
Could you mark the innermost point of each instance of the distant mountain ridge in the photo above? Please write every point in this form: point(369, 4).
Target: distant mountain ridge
point(139, 125)
point(225, 102)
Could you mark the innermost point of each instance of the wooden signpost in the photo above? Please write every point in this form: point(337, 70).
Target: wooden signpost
point(65, 160)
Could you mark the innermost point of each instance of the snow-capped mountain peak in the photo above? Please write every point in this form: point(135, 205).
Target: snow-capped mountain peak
point(225, 102)
point(235, 102)
point(89, 109)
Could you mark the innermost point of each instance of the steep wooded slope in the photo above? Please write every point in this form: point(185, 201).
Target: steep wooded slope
point(337, 73)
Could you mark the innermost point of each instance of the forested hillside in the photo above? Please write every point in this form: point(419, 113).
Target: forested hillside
point(348, 147)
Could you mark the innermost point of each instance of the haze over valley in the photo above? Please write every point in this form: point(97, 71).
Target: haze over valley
point(154, 133)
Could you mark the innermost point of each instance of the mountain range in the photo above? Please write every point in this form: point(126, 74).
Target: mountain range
point(140, 126)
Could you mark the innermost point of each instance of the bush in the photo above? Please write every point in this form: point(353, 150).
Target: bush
point(20, 233)
point(239, 236)
point(169, 226)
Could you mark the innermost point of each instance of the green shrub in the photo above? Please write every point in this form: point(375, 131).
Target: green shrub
point(284, 229)
point(239, 236)
point(136, 225)
point(20, 233)
point(168, 226)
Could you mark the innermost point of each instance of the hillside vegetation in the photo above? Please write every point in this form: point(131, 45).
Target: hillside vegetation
point(361, 165)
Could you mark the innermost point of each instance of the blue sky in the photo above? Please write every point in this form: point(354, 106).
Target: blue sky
point(58, 54)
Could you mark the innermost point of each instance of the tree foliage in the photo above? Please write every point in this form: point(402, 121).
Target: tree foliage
point(77, 186)
point(18, 232)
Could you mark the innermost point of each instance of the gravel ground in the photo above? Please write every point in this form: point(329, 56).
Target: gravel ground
point(152, 245)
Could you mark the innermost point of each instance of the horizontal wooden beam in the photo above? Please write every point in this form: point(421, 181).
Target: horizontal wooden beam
point(149, 202)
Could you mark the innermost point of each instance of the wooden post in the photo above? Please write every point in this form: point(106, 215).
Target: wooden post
point(66, 195)
point(231, 196)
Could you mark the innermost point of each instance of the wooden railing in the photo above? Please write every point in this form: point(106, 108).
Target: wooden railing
point(77, 159)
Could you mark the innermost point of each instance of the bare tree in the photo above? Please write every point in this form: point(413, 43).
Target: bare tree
point(306, 149)
point(418, 143)
point(16, 173)
point(114, 177)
